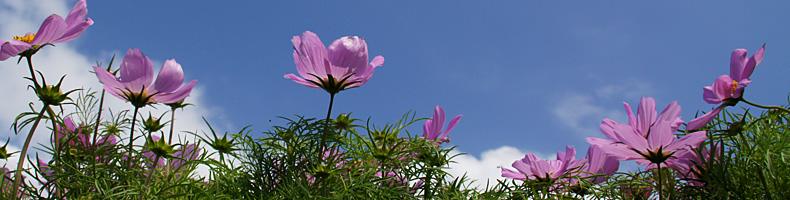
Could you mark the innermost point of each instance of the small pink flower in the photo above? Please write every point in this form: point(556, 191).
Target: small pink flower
point(55, 29)
point(344, 65)
point(727, 90)
point(137, 84)
point(532, 168)
point(433, 127)
point(657, 146)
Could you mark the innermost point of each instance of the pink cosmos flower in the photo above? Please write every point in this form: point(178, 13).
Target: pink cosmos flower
point(596, 162)
point(641, 122)
point(54, 30)
point(70, 130)
point(727, 90)
point(532, 168)
point(693, 168)
point(187, 153)
point(433, 127)
point(344, 65)
point(658, 146)
point(137, 84)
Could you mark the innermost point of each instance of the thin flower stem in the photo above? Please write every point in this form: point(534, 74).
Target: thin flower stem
point(766, 107)
point(30, 66)
point(659, 181)
point(427, 194)
point(326, 129)
point(131, 136)
point(57, 145)
point(101, 107)
point(172, 121)
point(151, 172)
point(18, 176)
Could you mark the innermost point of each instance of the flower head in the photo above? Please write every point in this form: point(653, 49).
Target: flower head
point(532, 168)
point(55, 29)
point(658, 144)
point(137, 84)
point(727, 90)
point(187, 153)
point(645, 117)
point(78, 137)
point(344, 65)
point(596, 162)
point(694, 164)
point(433, 127)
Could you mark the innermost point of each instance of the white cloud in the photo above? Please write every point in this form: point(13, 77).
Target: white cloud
point(487, 168)
point(22, 16)
point(583, 112)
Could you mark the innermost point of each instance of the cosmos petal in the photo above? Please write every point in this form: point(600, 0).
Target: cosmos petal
point(177, 95)
point(170, 77)
point(12, 48)
point(52, 28)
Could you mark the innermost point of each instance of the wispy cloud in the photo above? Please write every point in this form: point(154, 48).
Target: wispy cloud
point(487, 169)
point(582, 112)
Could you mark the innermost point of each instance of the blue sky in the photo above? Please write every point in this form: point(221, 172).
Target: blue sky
point(529, 75)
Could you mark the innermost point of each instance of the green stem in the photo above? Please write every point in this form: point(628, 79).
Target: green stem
point(131, 136)
point(151, 172)
point(765, 107)
point(30, 66)
point(659, 181)
point(427, 194)
point(58, 147)
point(18, 176)
point(172, 121)
point(326, 129)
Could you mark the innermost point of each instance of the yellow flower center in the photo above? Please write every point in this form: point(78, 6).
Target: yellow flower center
point(734, 85)
point(27, 38)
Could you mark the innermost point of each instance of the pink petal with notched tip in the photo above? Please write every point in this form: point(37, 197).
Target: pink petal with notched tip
point(701, 121)
point(12, 48)
point(508, 173)
point(692, 140)
point(738, 61)
point(177, 95)
point(348, 55)
point(300, 80)
point(74, 31)
point(452, 124)
point(76, 22)
point(52, 28)
point(111, 83)
point(709, 96)
point(311, 54)
point(646, 114)
point(377, 61)
point(137, 70)
point(755, 60)
point(627, 136)
point(170, 77)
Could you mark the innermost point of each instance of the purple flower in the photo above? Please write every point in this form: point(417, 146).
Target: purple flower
point(641, 122)
point(532, 168)
point(693, 167)
point(433, 127)
point(596, 162)
point(657, 146)
point(344, 65)
point(727, 90)
point(75, 137)
point(55, 29)
point(137, 85)
point(187, 153)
